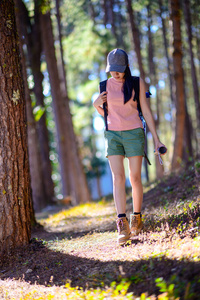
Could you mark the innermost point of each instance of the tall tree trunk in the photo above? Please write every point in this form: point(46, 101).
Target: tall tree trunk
point(42, 123)
point(31, 32)
point(15, 191)
point(38, 192)
point(198, 51)
point(58, 105)
point(112, 21)
point(166, 46)
point(193, 70)
point(71, 179)
point(77, 165)
point(99, 192)
point(109, 18)
point(135, 36)
point(92, 11)
point(179, 83)
point(105, 10)
point(122, 24)
point(154, 81)
point(188, 134)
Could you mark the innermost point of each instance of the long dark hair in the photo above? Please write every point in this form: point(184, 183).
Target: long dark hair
point(128, 85)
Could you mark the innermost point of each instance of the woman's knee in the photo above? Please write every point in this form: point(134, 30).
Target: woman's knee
point(135, 178)
point(119, 179)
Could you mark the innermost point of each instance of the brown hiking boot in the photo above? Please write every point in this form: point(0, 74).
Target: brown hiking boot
point(135, 224)
point(123, 230)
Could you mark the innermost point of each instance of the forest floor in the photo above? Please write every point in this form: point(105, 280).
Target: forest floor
point(74, 253)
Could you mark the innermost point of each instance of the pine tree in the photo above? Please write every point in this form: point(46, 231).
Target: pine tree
point(15, 192)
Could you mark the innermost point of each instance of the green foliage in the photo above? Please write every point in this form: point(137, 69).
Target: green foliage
point(84, 51)
point(96, 168)
point(197, 166)
point(163, 287)
point(82, 116)
point(174, 288)
point(38, 112)
point(45, 6)
point(85, 91)
point(139, 5)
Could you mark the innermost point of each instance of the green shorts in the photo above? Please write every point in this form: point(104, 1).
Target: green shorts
point(127, 143)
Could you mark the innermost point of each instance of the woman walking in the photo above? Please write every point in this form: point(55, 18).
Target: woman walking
point(125, 138)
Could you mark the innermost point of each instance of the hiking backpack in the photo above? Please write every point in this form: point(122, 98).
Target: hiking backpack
point(136, 87)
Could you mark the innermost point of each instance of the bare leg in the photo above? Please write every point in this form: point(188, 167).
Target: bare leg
point(135, 166)
point(118, 175)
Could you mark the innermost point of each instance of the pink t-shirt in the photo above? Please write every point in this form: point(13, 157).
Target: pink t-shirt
point(121, 116)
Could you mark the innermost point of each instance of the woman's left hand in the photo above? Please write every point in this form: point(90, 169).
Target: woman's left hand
point(158, 144)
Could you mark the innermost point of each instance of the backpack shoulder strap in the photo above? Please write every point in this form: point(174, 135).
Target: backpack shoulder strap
point(136, 86)
point(102, 87)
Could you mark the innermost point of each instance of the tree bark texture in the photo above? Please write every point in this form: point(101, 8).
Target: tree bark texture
point(166, 46)
point(188, 150)
point(105, 10)
point(154, 81)
point(31, 32)
point(71, 175)
point(193, 70)
point(179, 83)
point(41, 125)
point(58, 105)
point(135, 35)
point(112, 21)
point(77, 165)
point(92, 11)
point(121, 20)
point(37, 185)
point(15, 191)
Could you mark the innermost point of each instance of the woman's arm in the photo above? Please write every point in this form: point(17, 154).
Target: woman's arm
point(148, 116)
point(99, 102)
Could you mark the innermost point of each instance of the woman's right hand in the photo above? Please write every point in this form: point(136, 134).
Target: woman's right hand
point(102, 98)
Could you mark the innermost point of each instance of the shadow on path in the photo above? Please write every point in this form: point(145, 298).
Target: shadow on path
point(38, 264)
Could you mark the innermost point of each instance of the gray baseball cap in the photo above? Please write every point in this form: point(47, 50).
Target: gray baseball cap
point(117, 61)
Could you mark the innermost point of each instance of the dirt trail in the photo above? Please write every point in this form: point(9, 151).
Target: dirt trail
point(79, 245)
